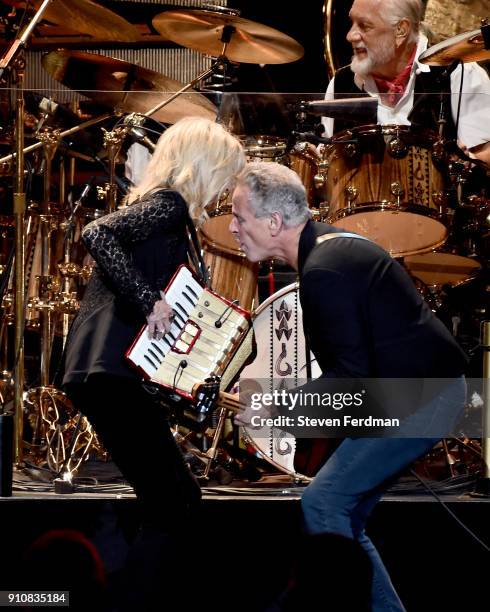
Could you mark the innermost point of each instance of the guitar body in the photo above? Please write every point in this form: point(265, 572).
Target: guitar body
point(312, 453)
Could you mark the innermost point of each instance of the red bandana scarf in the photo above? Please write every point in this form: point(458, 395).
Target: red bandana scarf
point(392, 90)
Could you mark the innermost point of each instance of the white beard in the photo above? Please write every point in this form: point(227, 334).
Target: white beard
point(362, 67)
point(376, 57)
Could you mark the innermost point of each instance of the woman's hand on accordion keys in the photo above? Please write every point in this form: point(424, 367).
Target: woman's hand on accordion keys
point(160, 319)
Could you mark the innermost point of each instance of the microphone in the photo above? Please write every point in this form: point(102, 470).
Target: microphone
point(362, 108)
point(85, 191)
point(68, 225)
point(134, 122)
point(139, 135)
point(50, 108)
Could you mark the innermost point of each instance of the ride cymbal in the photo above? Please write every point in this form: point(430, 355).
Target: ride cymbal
point(466, 47)
point(251, 42)
point(128, 87)
point(85, 17)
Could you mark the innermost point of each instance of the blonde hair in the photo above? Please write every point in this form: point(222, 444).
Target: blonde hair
point(196, 157)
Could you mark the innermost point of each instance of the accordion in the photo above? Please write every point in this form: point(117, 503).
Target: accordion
point(209, 337)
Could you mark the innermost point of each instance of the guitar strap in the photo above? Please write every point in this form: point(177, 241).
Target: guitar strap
point(195, 254)
point(325, 237)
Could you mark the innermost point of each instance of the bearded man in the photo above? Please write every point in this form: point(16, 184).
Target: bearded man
point(387, 42)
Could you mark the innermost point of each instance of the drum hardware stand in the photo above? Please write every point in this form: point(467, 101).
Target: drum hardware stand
point(458, 174)
point(14, 60)
point(351, 194)
point(46, 400)
point(112, 142)
point(218, 68)
point(397, 190)
point(77, 128)
point(482, 488)
point(212, 451)
point(68, 303)
point(41, 397)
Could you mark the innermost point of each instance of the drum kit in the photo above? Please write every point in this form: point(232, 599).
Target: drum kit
point(390, 185)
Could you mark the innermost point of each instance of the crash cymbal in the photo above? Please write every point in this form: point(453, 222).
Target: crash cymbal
point(466, 47)
point(131, 88)
point(85, 17)
point(251, 42)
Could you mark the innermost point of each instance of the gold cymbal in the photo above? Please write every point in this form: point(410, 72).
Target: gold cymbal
point(466, 47)
point(119, 84)
point(85, 17)
point(251, 42)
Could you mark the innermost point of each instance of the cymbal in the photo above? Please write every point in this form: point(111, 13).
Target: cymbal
point(119, 84)
point(251, 42)
point(467, 47)
point(86, 17)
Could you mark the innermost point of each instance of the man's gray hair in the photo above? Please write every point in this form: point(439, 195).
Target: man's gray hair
point(396, 10)
point(276, 188)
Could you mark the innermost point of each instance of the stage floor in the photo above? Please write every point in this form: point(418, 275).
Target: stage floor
point(243, 548)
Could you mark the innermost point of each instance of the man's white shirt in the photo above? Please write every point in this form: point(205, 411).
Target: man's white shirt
point(474, 114)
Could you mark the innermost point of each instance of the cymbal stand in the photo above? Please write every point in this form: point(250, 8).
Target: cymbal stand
point(48, 285)
point(112, 142)
point(67, 244)
point(14, 60)
point(50, 140)
point(218, 67)
point(77, 128)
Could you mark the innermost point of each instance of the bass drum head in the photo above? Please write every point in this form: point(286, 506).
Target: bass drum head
point(281, 356)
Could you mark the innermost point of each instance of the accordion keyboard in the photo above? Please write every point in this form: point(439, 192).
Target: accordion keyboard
point(205, 333)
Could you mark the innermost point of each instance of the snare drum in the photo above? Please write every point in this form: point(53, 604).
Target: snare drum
point(387, 185)
point(281, 354)
point(264, 148)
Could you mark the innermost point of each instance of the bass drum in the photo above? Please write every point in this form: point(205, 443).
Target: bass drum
point(281, 356)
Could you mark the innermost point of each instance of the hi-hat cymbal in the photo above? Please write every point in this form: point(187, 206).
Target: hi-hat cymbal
point(86, 17)
point(251, 42)
point(120, 84)
point(466, 47)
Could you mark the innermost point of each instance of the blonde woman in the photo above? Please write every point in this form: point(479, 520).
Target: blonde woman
point(137, 250)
